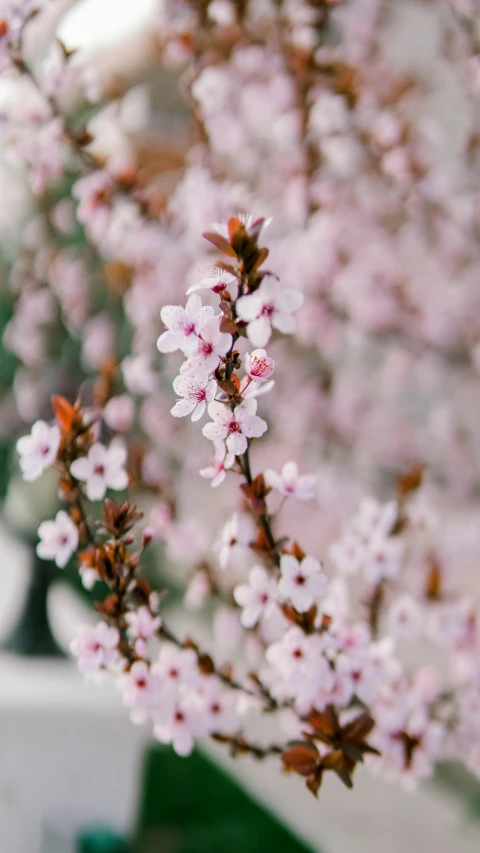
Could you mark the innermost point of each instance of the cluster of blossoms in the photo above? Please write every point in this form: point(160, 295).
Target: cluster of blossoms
point(298, 109)
point(317, 645)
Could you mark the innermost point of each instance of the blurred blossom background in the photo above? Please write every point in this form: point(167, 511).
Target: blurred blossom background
point(176, 115)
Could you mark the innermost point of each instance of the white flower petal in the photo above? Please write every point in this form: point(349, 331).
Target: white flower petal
point(259, 331)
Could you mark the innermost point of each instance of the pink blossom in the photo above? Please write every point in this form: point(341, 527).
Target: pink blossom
point(102, 469)
point(374, 518)
point(269, 307)
point(183, 724)
point(119, 413)
point(211, 345)
point(197, 591)
point(258, 365)
point(95, 647)
point(142, 625)
point(299, 668)
point(347, 554)
point(257, 597)
point(58, 539)
point(234, 426)
point(219, 706)
point(222, 461)
point(290, 484)
point(406, 618)
point(197, 391)
point(236, 536)
point(142, 691)
point(177, 669)
point(301, 582)
point(38, 450)
point(383, 557)
point(183, 325)
point(217, 283)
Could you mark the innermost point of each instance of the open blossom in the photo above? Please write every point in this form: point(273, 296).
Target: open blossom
point(182, 726)
point(267, 308)
point(347, 554)
point(383, 557)
point(141, 689)
point(38, 451)
point(406, 618)
point(222, 461)
point(197, 391)
point(217, 283)
point(301, 582)
point(102, 469)
point(374, 518)
point(211, 345)
point(95, 647)
point(177, 669)
point(218, 705)
point(290, 484)
point(299, 668)
point(237, 534)
point(183, 325)
point(257, 597)
point(234, 426)
point(258, 365)
point(58, 539)
point(142, 625)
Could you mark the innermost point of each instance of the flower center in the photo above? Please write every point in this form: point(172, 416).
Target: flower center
point(268, 310)
point(233, 426)
point(206, 348)
point(99, 470)
point(173, 673)
point(300, 580)
point(141, 683)
point(263, 597)
point(179, 717)
point(259, 366)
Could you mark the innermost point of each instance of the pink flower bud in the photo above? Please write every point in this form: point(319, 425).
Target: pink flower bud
point(258, 365)
point(148, 535)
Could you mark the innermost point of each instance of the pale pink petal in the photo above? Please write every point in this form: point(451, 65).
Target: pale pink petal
point(288, 301)
point(237, 443)
point(200, 409)
point(168, 341)
point(183, 408)
point(80, 468)
point(259, 332)
point(249, 307)
point(285, 323)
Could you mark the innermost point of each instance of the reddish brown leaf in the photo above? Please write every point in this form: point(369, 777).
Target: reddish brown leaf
point(220, 243)
point(302, 758)
point(64, 412)
point(358, 729)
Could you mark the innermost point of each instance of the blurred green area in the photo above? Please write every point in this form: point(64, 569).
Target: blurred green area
point(191, 806)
